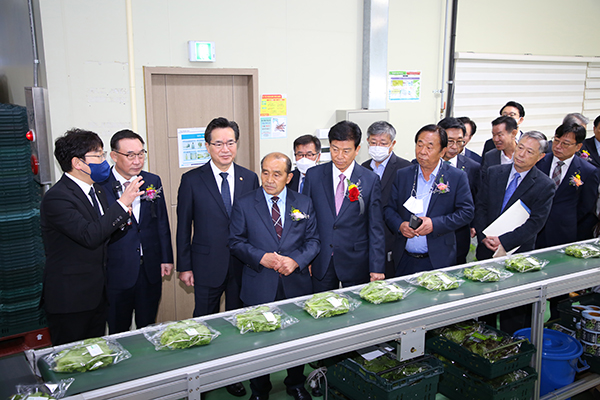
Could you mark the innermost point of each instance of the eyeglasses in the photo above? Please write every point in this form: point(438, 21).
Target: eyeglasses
point(307, 155)
point(132, 156)
point(556, 142)
point(455, 142)
point(101, 156)
point(510, 114)
point(219, 145)
point(380, 144)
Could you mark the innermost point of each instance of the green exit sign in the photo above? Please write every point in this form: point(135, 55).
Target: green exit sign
point(202, 51)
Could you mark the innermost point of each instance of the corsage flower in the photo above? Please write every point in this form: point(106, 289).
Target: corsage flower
point(151, 193)
point(575, 180)
point(442, 187)
point(297, 215)
point(354, 194)
point(585, 155)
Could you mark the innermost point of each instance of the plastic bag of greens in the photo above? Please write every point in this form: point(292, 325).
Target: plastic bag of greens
point(436, 280)
point(460, 331)
point(522, 263)
point(180, 335)
point(486, 274)
point(586, 250)
point(492, 345)
point(86, 355)
point(328, 304)
point(260, 319)
point(378, 292)
point(40, 391)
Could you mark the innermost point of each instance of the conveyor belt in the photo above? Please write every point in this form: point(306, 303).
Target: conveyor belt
point(233, 357)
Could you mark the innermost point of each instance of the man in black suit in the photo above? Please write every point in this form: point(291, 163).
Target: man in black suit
point(141, 254)
point(591, 146)
point(307, 150)
point(455, 130)
point(504, 131)
point(76, 224)
point(204, 202)
point(381, 137)
point(511, 109)
point(470, 128)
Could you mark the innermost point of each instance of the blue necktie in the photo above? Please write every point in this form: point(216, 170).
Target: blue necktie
point(301, 184)
point(512, 186)
point(225, 192)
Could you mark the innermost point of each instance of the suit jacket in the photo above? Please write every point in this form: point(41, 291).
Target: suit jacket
point(356, 240)
point(473, 156)
point(295, 182)
point(589, 145)
point(489, 145)
point(448, 212)
point(573, 208)
point(75, 240)
point(463, 234)
point(536, 191)
point(152, 231)
point(200, 206)
point(253, 235)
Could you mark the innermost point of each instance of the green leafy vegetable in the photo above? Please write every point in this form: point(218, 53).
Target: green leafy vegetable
point(582, 251)
point(90, 355)
point(382, 292)
point(491, 345)
point(484, 274)
point(184, 334)
point(460, 331)
point(30, 395)
point(437, 280)
point(326, 304)
point(399, 370)
point(522, 263)
point(259, 319)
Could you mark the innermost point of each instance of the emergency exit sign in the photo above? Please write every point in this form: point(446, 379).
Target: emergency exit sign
point(201, 51)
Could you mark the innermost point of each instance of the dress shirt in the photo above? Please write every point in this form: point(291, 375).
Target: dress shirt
point(347, 173)
point(597, 143)
point(381, 168)
point(424, 189)
point(513, 171)
point(136, 205)
point(564, 168)
point(504, 159)
point(86, 189)
point(453, 161)
point(280, 203)
point(230, 177)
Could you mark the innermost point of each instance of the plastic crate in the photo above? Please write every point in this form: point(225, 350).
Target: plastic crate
point(355, 382)
point(478, 364)
point(334, 394)
point(457, 384)
point(570, 317)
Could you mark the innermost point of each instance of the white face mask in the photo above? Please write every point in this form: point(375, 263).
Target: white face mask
point(379, 153)
point(304, 164)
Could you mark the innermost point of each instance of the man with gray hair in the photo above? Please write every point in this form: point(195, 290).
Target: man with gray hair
point(505, 184)
point(381, 137)
point(575, 118)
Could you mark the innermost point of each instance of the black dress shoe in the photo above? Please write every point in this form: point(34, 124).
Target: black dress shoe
point(299, 393)
point(237, 389)
point(259, 397)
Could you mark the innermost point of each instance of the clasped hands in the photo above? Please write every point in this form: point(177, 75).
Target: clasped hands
point(282, 264)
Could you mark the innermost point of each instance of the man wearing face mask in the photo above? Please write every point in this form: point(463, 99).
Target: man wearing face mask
point(307, 150)
point(76, 224)
point(381, 137)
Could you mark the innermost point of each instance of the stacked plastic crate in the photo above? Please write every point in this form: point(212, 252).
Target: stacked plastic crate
point(21, 248)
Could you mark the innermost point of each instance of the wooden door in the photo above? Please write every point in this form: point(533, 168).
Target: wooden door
point(190, 98)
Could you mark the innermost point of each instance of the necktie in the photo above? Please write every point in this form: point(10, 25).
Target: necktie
point(339, 194)
point(225, 193)
point(512, 186)
point(92, 194)
point(301, 184)
point(557, 172)
point(125, 184)
point(276, 217)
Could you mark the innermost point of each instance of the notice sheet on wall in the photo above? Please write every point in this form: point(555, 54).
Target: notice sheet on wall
point(273, 116)
point(404, 85)
point(192, 152)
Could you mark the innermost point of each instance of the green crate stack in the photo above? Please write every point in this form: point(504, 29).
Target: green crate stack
point(21, 248)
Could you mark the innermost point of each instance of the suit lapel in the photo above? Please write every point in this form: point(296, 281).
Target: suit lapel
point(208, 178)
point(286, 214)
point(389, 172)
point(523, 186)
point(72, 186)
point(594, 151)
point(565, 183)
point(262, 210)
point(354, 178)
point(434, 196)
point(327, 183)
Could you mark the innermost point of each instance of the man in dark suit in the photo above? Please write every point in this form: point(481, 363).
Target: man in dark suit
point(572, 216)
point(76, 224)
point(504, 131)
point(347, 201)
point(381, 137)
point(204, 201)
point(503, 185)
point(307, 151)
point(455, 130)
point(591, 146)
point(274, 233)
point(470, 128)
point(440, 199)
point(141, 254)
point(511, 109)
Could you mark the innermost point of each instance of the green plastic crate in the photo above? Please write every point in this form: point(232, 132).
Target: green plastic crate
point(570, 317)
point(457, 384)
point(478, 364)
point(334, 394)
point(355, 382)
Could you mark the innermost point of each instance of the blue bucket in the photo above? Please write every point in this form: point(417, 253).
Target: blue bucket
point(560, 354)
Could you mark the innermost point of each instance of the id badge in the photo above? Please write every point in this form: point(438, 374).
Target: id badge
point(414, 205)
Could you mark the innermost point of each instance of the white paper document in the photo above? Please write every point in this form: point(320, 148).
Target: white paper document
point(512, 218)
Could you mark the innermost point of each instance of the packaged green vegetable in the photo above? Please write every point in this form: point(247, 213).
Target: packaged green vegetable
point(328, 304)
point(459, 332)
point(586, 250)
point(260, 319)
point(180, 335)
point(378, 292)
point(486, 274)
point(436, 280)
point(522, 263)
point(86, 355)
point(41, 391)
point(492, 345)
